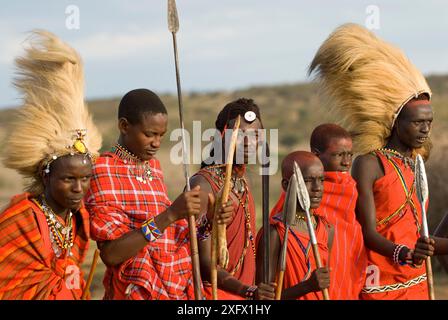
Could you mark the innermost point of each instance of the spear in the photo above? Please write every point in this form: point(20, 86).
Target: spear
point(219, 252)
point(289, 212)
point(421, 183)
point(173, 26)
point(304, 200)
point(265, 210)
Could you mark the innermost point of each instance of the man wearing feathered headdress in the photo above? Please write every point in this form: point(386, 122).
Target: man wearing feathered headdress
point(45, 231)
point(384, 101)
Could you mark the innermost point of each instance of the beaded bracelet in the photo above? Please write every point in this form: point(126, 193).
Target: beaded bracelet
point(250, 292)
point(204, 228)
point(150, 230)
point(395, 255)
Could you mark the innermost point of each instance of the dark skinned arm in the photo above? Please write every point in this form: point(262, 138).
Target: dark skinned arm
point(226, 281)
point(366, 170)
point(117, 251)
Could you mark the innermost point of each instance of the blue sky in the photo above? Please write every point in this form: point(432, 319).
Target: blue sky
point(223, 45)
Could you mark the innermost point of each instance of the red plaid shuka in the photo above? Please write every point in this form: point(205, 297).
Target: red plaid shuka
point(29, 269)
point(118, 204)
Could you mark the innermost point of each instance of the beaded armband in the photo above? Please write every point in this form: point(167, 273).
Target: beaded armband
point(150, 230)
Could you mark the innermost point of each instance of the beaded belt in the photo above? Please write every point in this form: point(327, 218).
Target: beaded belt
point(396, 286)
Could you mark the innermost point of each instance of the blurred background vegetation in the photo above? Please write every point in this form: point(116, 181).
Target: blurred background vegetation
point(292, 109)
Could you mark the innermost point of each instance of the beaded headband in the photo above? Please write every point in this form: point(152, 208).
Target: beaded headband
point(78, 147)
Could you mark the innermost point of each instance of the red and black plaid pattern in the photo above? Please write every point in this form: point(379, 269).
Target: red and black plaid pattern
point(118, 204)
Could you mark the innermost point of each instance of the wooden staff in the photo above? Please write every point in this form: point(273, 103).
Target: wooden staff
point(265, 209)
point(91, 273)
point(304, 200)
point(289, 213)
point(173, 26)
point(421, 183)
point(220, 253)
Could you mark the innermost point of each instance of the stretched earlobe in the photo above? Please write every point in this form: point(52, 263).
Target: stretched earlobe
point(285, 183)
point(123, 125)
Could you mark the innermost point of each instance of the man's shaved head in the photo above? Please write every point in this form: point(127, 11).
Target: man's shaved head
point(303, 159)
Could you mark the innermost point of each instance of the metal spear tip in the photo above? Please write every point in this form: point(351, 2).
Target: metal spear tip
point(289, 211)
point(421, 181)
point(173, 20)
point(302, 191)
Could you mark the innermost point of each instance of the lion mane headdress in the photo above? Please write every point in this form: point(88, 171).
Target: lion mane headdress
point(366, 82)
point(53, 120)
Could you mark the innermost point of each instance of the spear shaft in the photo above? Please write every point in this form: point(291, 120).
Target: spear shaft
point(304, 200)
point(173, 26)
point(421, 183)
point(265, 209)
point(289, 212)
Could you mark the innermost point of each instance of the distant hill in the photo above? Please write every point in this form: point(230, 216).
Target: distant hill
point(294, 109)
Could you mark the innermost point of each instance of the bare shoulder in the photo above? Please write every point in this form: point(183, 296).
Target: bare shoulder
point(367, 166)
point(198, 180)
point(367, 159)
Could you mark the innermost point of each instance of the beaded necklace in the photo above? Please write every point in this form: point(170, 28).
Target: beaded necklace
point(389, 153)
point(61, 236)
point(142, 171)
point(218, 170)
point(238, 183)
point(300, 219)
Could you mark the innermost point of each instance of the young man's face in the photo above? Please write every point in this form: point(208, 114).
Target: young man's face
point(247, 143)
point(144, 138)
point(313, 175)
point(67, 182)
point(414, 125)
point(338, 155)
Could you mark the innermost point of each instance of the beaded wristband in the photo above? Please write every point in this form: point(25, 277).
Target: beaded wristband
point(250, 292)
point(395, 255)
point(150, 230)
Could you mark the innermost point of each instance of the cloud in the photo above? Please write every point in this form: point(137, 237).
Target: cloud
point(11, 46)
point(111, 46)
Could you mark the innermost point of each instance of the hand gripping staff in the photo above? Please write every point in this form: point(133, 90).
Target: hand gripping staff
point(220, 253)
point(173, 26)
point(304, 200)
point(289, 213)
point(421, 184)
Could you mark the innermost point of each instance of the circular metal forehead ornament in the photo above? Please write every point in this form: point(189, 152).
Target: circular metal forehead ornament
point(250, 116)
